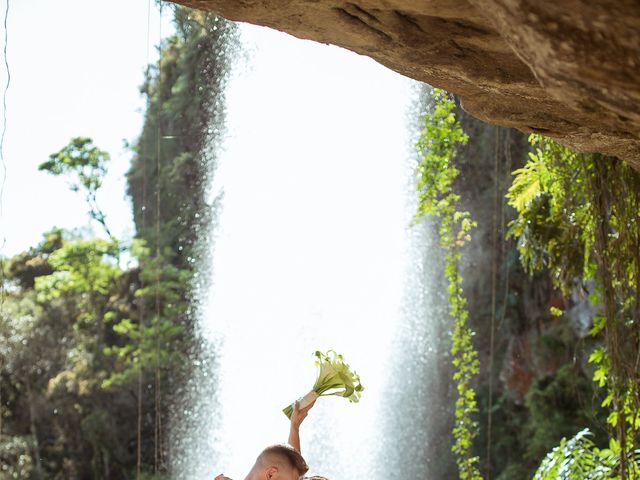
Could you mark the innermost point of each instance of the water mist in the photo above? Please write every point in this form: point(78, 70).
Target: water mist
point(314, 250)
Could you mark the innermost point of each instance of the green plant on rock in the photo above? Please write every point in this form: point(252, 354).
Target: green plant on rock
point(578, 218)
point(554, 227)
point(441, 137)
point(183, 118)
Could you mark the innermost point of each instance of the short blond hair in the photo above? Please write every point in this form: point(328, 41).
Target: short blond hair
point(292, 456)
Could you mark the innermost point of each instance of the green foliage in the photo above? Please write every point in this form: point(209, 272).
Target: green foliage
point(578, 218)
point(16, 460)
point(579, 459)
point(184, 116)
point(85, 274)
point(441, 137)
point(77, 330)
point(437, 172)
point(26, 266)
point(554, 227)
point(164, 286)
point(80, 266)
point(557, 407)
point(509, 441)
point(87, 166)
point(82, 159)
point(75, 339)
point(48, 342)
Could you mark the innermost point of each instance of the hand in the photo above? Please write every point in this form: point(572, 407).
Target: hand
point(299, 414)
point(222, 477)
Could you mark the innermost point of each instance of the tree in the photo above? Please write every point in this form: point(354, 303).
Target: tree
point(87, 166)
point(154, 345)
point(88, 271)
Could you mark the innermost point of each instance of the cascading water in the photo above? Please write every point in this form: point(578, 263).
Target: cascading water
point(314, 250)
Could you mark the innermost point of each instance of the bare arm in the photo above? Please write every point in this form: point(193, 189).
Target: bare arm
point(297, 417)
point(294, 437)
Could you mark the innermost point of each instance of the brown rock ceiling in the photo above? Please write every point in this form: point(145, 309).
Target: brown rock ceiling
point(567, 68)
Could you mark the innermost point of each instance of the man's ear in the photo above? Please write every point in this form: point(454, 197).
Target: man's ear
point(272, 473)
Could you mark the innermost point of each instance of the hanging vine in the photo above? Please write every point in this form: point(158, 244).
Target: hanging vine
point(441, 137)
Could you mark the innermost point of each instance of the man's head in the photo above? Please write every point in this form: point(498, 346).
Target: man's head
point(278, 462)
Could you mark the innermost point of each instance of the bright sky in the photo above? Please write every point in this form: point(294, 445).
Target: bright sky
point(76, 66)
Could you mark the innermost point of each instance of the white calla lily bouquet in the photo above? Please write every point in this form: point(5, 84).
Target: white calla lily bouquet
point(335, 377)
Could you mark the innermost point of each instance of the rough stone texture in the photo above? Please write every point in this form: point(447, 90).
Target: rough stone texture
point(566, 68)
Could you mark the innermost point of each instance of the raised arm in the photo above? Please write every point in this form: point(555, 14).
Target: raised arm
point(298, 415)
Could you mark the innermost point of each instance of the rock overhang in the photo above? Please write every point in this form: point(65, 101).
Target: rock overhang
point(569, 69)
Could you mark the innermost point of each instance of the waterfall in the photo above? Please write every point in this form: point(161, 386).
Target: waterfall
point(313, 251)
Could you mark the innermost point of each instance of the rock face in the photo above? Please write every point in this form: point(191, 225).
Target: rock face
point(567, 68)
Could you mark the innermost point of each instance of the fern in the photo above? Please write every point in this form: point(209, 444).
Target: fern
point(527, 182)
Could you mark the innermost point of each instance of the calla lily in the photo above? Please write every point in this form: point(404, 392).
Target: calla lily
point(335, 377)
